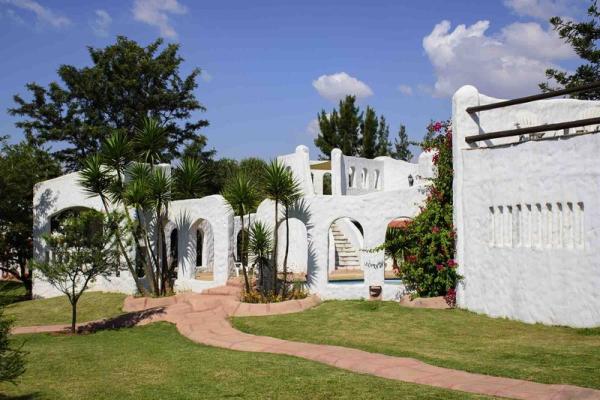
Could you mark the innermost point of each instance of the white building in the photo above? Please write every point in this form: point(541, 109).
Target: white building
point(329, 232)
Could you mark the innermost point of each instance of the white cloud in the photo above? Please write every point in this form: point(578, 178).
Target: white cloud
point(511, 63)
point(541, 9)
point(43, 15)
point(312, 129)
point(405, 90)
point(336, 86)
point(101, 24)
point(156, 13)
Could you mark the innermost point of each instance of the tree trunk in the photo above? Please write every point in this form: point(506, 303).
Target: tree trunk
point(73, 317)
point(246, 282)
point(287, 249)
point(130, 267)
point(275, 242)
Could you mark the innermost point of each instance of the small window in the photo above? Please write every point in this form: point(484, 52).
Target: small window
point(377, 184)
point(199, 244)
point(351, 177)
point(365, 178)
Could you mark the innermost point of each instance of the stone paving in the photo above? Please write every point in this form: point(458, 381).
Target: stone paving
point(204, 318)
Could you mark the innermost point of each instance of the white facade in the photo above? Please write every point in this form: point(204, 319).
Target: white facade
point(527, 213)
point(380, 194)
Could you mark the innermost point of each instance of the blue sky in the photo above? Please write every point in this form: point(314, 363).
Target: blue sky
point(270, 66)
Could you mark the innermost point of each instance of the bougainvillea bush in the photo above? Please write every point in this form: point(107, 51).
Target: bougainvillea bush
point(424, 249)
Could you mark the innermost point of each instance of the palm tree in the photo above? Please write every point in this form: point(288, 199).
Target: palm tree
point(275, 186)
point(150, 140)
point(239, 192)
point(260, 246)
point(190, 179)
point(96, 180)
point(292, 193)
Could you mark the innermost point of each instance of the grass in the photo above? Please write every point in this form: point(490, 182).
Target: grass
point(450, 338)
point(57, 310)
point(156, 362)
point(11, 292)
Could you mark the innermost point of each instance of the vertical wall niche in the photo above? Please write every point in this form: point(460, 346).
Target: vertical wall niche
point(558, 225)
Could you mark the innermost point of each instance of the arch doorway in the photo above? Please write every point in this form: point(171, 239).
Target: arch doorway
point(345, 246)
point(394, 257)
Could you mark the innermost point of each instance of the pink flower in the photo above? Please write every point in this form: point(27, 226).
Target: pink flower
point(439, 267)
point(435, 229)
point(437, 126)
point(451, 263)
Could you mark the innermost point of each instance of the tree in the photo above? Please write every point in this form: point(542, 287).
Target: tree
point(240, 194)
point(368, 131)
point(340, 128)
point(134, 181)
point(82, 250)
point(583, 37)
point(291, 194)
point(125, 83)
point(275, 185)
point(21, 167)
point(401, 150)
point(12, 363)
point(383, 134)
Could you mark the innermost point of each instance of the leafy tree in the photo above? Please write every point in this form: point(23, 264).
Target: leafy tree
point(240, 194)
point(401, 150)
point(368, 130)
point(383, 134)
point(427, 243)
point(125, 84)
point(82, 250)
point(21, 167)
point(12, 362)
point(583, 37)
point(328, 138)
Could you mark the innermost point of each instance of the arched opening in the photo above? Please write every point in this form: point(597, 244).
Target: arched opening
point(174, 251)
point(345, 245)
point(297, 260)
point(377, 180)
point(327, 184)
point(394, 256)
point(201, 242)
point(351, 173)
point(365, 178)
point(60, 217)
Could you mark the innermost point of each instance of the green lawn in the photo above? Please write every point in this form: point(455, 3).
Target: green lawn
point(57, 310)
point(449, 338)
point(11, 292)
point(156, 362)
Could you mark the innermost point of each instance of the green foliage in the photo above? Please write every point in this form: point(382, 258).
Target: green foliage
point(21, 167)
point(12, 362)
point(401, 149)
point(125, 84)
point(82, 249)
point(354, 132)
point(190, 179)
point(427, 244)
point(583, 37)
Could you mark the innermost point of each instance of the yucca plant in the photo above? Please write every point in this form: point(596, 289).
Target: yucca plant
point(239, 192)
point(190, 179)
point(275, 186)
point(292, 193)
point(260, 246)
point(150, 140)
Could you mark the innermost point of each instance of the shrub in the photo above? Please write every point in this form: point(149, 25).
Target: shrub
point(427, 244)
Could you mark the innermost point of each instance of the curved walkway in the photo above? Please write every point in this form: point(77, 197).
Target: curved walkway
point(203, 318)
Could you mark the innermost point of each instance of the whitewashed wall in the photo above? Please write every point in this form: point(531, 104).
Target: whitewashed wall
point(528, 214)
point(373, 211)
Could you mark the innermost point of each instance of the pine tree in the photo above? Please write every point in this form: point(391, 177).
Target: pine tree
point(368, 130)
point(583, 37)
point(401, 150)
point(383, 134)
point(348, 126)
point(328, 138)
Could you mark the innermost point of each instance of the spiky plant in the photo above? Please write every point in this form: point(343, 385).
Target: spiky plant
point(239, 192)
point(259, 247)
point(190, 179)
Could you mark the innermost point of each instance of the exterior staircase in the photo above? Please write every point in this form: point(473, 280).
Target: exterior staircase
point(346, 256)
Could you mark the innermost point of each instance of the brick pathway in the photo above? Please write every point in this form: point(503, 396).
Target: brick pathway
point(203, 318)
